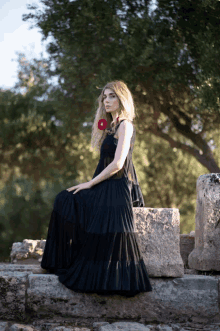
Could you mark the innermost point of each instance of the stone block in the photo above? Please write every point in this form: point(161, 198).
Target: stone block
point(206, 254)
point(42, 296)
point(28, 251)
point(159, 240)
point(13, 288)
point(189, 295)
point(187, 244)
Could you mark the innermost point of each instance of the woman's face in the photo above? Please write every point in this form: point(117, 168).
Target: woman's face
point(111, 101)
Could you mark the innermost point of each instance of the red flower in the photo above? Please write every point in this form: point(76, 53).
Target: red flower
point(102, 124)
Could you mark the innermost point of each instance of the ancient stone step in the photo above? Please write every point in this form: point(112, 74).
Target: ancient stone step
point(64, 325)
point(28, 288)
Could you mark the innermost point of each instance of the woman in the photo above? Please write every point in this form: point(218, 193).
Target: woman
point(92, 244)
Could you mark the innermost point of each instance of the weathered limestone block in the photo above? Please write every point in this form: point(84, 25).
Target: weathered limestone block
point(13, 288)
point(159, 237)
point(206, 254)
point(27, 294)
point(27, 252)
point(25, 268)
point(187, 244)
point(187, 296)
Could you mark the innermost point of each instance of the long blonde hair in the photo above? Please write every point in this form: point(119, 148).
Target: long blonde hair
point(126, 111)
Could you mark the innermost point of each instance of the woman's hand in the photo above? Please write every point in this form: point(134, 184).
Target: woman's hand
point(79, 187)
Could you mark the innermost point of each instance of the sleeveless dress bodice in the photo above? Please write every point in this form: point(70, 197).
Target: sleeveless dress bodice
point(107, 154)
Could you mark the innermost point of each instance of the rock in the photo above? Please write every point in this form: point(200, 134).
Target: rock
point(40, 325)
point(128, 326)
point(159, 240)
point(187, 244)
point(25, 288)
point(206, 254)
point(27, 252)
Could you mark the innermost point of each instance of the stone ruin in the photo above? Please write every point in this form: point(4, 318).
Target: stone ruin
point(174, 263)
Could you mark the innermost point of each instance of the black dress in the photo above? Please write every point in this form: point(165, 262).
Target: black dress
point(92, 243)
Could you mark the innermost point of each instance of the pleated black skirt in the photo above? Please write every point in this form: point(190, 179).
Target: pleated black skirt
point(91, 242)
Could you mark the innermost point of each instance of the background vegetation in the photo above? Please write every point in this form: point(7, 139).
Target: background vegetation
point(170, 60)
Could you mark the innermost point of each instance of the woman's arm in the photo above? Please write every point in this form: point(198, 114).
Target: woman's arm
point(109, 171)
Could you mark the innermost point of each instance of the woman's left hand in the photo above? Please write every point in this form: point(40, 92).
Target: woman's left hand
point(79, 187)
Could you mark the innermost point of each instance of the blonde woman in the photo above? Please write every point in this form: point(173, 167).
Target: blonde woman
point(92, 243)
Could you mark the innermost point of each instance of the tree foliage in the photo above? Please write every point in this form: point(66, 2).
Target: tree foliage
point(32, 138)
point(196, 23)
point(98, 41)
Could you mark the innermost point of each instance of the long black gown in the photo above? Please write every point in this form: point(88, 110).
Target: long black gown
point(92, 243)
